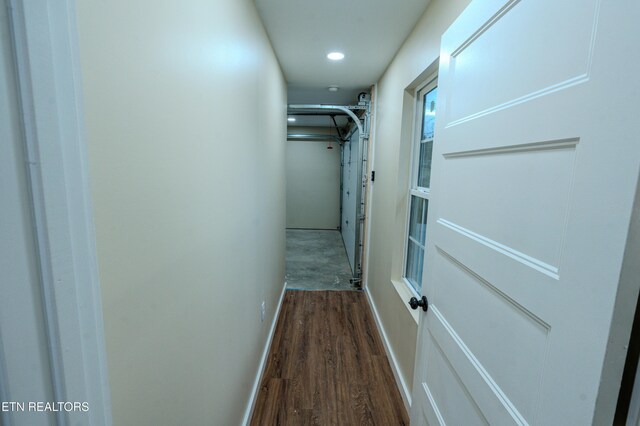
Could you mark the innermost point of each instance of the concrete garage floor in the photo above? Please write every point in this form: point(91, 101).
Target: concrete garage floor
point(317, 260)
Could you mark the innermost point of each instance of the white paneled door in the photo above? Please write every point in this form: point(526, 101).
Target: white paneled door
point(535, 170)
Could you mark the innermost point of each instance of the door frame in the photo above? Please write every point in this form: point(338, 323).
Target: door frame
point(44, 39)
point(621, 328)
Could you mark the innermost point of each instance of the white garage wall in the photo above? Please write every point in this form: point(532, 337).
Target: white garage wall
point(350, 201)
point(313, 184)
point(185, 112)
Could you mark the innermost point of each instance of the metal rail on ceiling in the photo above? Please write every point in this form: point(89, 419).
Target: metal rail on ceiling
point(344, 108)
point(314, 136)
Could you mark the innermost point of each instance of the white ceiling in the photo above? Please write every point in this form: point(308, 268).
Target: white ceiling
point(368, 32)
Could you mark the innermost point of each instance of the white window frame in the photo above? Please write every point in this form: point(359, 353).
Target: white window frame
point(429, 84)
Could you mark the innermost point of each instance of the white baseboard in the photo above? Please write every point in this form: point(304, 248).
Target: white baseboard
point(405, 392)
point(263, 362)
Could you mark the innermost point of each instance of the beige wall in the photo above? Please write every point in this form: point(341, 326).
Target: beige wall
point(185, 113)
point(313, 182)
point(391, 163)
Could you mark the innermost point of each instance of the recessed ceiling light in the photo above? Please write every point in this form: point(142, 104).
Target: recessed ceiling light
point(335, 56)
point(333, 88)
point(291, 119)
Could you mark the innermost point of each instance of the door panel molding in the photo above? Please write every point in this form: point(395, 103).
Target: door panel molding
point(569, 59)
point(489, 396)
point(520, 257)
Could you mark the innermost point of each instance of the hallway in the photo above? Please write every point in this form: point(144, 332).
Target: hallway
point(166, 166)
point(327, 365)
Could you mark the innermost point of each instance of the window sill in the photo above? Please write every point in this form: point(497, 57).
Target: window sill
point(405, 292)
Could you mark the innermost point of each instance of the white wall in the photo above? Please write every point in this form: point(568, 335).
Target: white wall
point(185, 112)
point(389, 202)
point(350, 201)
point(313, 183)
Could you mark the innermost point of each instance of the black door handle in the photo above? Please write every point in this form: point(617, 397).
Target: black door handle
point(415, 303)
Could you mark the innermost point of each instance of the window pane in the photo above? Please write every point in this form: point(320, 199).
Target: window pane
point(429, 117)
point(416, 241)
point(424, 166)
point(426, 141)
point(418, 219)
point(415, 256)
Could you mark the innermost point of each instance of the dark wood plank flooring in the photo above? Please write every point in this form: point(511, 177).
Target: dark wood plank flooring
point(327, 365)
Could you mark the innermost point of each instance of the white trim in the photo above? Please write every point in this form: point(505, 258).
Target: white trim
point(420, 192)
point(263, 362)
point(416, 242)
point(44, 38)
point(406, 291)
point(370, 167)
point(402, 385)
